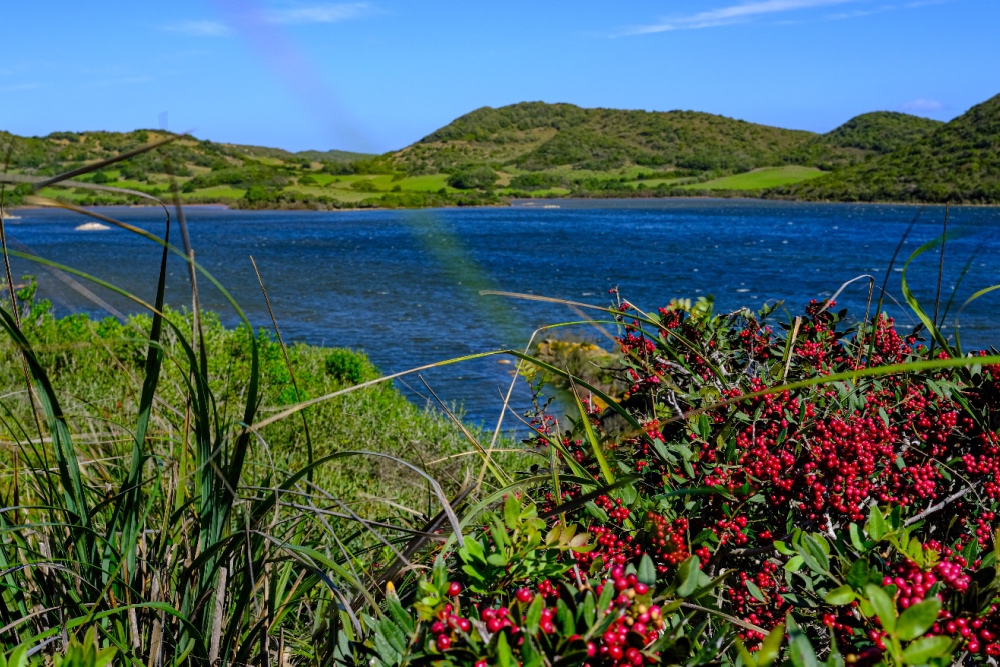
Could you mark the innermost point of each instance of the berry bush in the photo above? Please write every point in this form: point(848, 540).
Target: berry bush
point(764, 492)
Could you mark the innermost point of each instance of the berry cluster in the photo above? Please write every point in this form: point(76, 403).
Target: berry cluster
point(730, 464)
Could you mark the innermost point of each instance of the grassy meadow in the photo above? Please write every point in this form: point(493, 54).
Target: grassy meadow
point(760, 179)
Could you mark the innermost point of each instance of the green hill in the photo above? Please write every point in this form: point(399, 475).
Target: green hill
point(206, 171)
point(536, 136)
point(958, 162)
point(58, 151)
point(536, 149)
point(864, 137)
point(880, 132)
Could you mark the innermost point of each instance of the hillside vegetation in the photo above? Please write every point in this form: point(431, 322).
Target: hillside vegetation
point(536, 136)
point(958, 162)
point(536, 149)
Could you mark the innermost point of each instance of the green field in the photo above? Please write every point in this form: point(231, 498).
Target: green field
point(759, 179)
point(653, 182)
point(426, 183)
point(218, 192)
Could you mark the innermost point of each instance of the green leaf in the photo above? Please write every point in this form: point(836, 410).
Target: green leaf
point(594, 443)
point(918, 619)
point(607, 595)
point(503, 652)
point(534, 614)
point(472, 550)
point(915, 551)
point(589, 609)
point(511, 511)
point(748, 660)
point(883, 605)
point(840, 596)
point(771, 646)
point(755, 591)
point(858, 575)
point(925, 648)
point(800, 650)
point(687, 576)
point(794, 563)
point(532, 658)
point(647, 571)
point(783, 548)
point(18, 657)
point(810, 560)
point(816, 550)
point(856, 540)
point(396, 609)
point(876, 524)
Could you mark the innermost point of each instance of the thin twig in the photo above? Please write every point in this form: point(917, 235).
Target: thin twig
point(934, 508)
point(288, 364)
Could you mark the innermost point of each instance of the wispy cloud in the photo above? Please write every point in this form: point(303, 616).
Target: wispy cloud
point(923, 105)
point(723, 16)
point(199, 28)
point(325, 13)
point(858, 13)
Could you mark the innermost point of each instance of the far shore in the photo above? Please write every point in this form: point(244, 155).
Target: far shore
point(539, 203)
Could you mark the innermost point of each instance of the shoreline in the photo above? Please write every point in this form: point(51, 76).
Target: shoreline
point(522, 203)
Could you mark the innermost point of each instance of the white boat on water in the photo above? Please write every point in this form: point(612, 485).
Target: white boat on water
point(551, 206)
point(8, 216)
point(91, 227)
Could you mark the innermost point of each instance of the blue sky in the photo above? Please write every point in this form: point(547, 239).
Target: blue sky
point(377, 75)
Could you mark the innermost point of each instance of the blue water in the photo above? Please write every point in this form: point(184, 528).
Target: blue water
point(404, 286)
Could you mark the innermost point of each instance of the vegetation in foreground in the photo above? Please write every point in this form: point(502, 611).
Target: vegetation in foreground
point(97, 367)
point(534, 149)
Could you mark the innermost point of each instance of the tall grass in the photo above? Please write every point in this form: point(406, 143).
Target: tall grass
point(144, 503)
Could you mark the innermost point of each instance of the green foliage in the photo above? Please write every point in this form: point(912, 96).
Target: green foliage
point(881, 132)
point(958, 162)
point(85, 653)
point(241, 177)
point(538, 136)
point(474, 178)
point(538, 181)
point(348, 367)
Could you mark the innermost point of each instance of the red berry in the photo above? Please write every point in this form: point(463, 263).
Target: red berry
point(454, 588)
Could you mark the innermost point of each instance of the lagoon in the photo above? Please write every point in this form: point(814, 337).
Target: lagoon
point(404, 285)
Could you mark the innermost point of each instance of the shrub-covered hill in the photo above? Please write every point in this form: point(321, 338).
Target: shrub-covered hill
point(958, 162)
point(865, 136)
point(880, 131)
point(60, 151)
point(539, 136)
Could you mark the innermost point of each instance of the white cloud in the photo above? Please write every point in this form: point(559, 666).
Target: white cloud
point(326, 13)
point(199, 28)
point(732, 14)
point(923, 105)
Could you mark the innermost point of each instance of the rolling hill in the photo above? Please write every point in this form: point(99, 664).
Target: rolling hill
point(536, 136)
point(55, 152)
point(537, 149)
point(957, 162)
